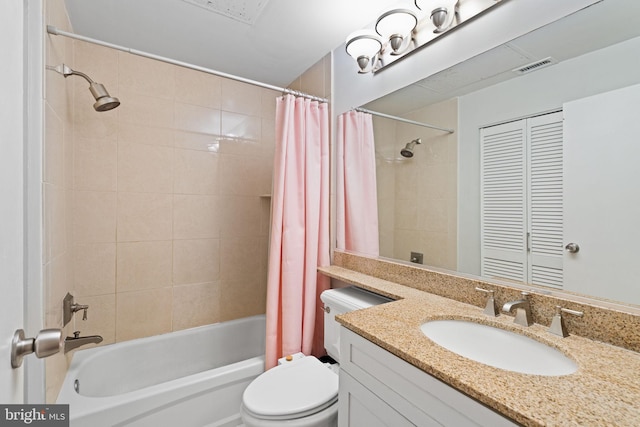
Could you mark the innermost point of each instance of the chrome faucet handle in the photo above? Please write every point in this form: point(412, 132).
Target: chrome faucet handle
point(490, 307)
point(557, 323)
point(77, 307)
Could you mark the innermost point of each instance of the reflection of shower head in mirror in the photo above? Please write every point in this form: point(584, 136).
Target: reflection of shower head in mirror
point(407, 151)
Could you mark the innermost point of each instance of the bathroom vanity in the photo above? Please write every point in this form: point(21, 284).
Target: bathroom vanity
point(392, 374)
point(380, 389)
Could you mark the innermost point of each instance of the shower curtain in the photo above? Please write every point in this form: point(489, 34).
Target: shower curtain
point(357, 201)
point(299, 229)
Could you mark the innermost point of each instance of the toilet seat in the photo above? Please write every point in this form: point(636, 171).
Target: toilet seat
point(291, 391)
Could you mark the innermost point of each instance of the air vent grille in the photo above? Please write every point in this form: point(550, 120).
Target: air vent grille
point(245, 11)
point(534, 66)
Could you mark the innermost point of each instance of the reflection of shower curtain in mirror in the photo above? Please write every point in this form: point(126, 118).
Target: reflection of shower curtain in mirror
point(357, 206)
point(299, 229)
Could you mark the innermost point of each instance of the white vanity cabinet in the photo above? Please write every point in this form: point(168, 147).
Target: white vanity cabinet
point(380, 389)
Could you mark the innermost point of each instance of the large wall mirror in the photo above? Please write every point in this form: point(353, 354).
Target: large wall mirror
point(566, 134)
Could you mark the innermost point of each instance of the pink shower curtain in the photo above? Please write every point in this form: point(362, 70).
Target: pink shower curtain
point(357, 201)
point(299, 229)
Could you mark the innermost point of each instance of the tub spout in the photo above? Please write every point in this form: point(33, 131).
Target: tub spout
point(76, 341)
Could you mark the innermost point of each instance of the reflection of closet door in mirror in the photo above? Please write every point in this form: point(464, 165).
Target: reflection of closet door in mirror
point(602, 194)
point(521, 212)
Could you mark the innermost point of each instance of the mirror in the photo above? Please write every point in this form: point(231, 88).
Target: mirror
point(431, 203)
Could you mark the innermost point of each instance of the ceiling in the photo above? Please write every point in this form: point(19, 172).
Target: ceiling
point(278, 42)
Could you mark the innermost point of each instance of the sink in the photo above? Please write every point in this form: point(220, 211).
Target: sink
point(498, 347)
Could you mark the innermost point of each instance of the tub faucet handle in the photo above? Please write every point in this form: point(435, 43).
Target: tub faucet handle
point(77, 307)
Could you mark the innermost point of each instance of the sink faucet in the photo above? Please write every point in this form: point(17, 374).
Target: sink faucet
point(76, 341)
point(523, 310)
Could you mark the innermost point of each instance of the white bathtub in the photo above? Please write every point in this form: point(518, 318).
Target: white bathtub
point(190, 378)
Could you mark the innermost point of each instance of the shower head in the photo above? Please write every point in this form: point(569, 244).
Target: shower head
point(104, 101)
point(407, 151)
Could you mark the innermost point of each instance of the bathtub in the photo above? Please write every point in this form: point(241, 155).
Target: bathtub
point(194, 377)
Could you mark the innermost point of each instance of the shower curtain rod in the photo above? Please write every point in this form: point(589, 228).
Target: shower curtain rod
point(401, 119)
point(51, 29)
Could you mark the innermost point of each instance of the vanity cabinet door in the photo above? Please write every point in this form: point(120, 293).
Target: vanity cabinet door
point(359, 407)
point(375, 384)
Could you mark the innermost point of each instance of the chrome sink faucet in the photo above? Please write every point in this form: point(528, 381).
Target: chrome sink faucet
point(523, 310)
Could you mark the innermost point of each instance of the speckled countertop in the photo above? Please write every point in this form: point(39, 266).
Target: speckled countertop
point(605, 391)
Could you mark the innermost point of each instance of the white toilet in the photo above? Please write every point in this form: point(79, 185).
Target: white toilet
point(304, 392)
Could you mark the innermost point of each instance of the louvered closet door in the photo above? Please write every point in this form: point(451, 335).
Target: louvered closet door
point(544, 134)
point(503, 204)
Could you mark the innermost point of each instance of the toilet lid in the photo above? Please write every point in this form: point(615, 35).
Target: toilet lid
point(295, 389)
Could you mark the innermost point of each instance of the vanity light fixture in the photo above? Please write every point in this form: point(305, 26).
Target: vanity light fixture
point(400, 31)
point(442, 12)
point(396, 26)
point(364, 46)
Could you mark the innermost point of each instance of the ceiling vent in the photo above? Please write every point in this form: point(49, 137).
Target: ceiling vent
point(534, 66)
point(245, 11)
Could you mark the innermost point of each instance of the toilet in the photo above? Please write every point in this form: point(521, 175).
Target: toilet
point(304, 391)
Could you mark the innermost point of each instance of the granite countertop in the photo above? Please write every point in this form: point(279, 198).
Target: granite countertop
point(605, 391)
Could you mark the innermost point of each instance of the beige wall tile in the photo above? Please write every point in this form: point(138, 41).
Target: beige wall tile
point(58, 278)
point(142, 110)
point(238, 259)
point(193, 118)
point(196, 305)
point(146, 76)
point(241, 299)
point(269, 104)
point(249, 168)
point(241, 98)
point(94, 164)
point(144, 216)
point(197, 141)
point(240, 216)
point(55, 370)
point(144, 265)
point(94, 269)
point(241, 126)
point(134, 134)
point(98, 62)
point(145, 168)
point(198, 88)
point(94, 216)
point(196, 217)
point(53, 148)
point(196, 261)
point(55, 221)
point(196, 172)
point(143, 313)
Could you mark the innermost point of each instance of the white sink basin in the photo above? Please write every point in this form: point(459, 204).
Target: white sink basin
point(498, 347)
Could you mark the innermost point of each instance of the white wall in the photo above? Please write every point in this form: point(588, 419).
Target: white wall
point(544, 90)
point(508, 21)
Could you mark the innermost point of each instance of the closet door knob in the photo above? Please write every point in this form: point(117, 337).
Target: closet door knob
point(572, 248)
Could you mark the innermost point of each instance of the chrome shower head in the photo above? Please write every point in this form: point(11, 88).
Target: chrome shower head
point(104, 101)
point(407, 151)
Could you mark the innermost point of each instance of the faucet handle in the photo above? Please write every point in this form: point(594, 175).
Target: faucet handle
point(490, 308)
point(557, 323)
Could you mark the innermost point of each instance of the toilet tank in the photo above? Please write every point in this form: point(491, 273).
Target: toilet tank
point(339, 301)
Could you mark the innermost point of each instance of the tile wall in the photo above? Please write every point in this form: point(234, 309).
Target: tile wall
point(418, 196)
point(157, 212)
